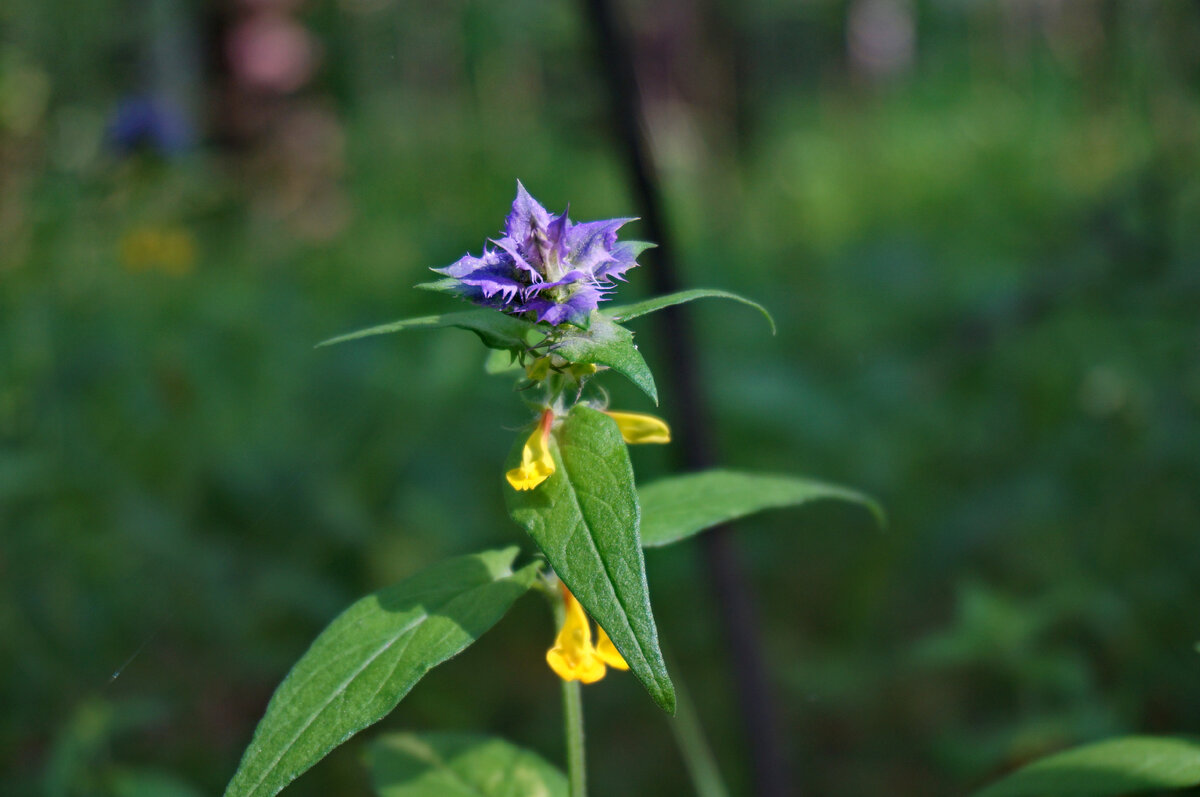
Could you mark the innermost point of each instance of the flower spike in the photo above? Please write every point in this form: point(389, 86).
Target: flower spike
point(537, 464)
point(545, 267)
point(637, 427)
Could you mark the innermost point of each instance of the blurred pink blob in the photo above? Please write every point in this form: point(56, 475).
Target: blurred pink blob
point(278, 6)
point(882, 36)
point(272, 52)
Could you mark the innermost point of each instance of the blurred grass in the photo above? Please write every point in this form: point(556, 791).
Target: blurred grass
point(985, 275)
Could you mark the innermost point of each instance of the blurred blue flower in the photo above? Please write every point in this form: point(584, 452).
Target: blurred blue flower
point(546, 267)
point(141, 122)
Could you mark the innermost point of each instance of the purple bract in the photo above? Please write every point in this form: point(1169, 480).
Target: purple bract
point(545, 266)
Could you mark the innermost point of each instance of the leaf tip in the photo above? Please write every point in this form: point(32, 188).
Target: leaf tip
point(767, 315)
point(665, 697)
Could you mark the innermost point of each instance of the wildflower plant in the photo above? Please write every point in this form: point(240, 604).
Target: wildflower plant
point(539, 290)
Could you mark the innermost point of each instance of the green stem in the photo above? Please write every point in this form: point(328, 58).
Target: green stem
point(573, 718)
point(697, 756)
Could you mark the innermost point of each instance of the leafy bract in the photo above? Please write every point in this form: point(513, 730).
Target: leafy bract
point(585, 519)
point(637, 247)
point(459, 765)
point(1115, 766)
point(678, 507)
point(495, 329)
point(368, 658)
point(445, 286)
point(602, 343)
point(628, 311)
point(607, 343)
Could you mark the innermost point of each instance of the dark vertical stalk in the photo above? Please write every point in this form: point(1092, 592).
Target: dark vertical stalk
point(737, 612)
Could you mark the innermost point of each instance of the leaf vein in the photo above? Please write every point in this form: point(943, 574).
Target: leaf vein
point(341, 688)
point(571, 489)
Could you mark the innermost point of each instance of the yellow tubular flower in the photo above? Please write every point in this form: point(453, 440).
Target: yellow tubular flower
point(536, 462)
point(607, 651)
point(639, 428)
point(573, 658)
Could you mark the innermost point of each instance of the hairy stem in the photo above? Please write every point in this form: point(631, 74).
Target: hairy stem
point(573, 725)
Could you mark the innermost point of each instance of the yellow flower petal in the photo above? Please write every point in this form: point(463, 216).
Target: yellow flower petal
point(573, 658)
point(637, 427)
point(536, 462)
point(607, 651)
point(588, 671)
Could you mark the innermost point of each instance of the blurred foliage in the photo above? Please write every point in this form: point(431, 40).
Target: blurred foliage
point(984, 264)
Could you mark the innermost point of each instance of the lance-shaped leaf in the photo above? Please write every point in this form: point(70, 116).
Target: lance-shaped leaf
point(585, 519)
point(678, 507)
point(459, 765)
point(603, 343)
point(1115, 766)
point(628, 311)
point(495, 329)
point(607, 343)
point(367, 659)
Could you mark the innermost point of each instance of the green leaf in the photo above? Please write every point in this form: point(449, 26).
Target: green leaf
point(606, 343)
point(361, 666)
point(626, 312)
point(1114, 766)
point(603, 343)
point(495, 329)
point(585, 519)
point(499, 361)
point(459, 765)
point(678, 507)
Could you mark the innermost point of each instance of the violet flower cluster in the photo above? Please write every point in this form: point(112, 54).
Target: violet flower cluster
point(546, 267)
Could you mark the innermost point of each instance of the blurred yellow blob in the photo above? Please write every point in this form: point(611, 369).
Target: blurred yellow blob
point(171, 250)
point(639, 428)
point(536, 462)
point(573, 658)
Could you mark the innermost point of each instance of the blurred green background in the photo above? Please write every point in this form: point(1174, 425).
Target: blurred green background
point(976, 222)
